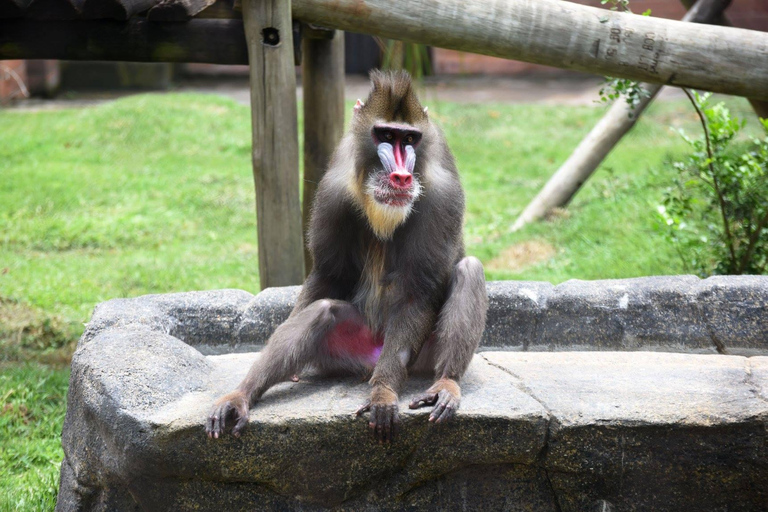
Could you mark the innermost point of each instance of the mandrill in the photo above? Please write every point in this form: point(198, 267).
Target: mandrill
point(390, 291)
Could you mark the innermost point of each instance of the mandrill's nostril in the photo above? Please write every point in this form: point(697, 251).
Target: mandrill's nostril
point(401, 179)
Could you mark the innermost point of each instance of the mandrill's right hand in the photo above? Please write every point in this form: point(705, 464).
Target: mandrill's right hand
point(234, 405)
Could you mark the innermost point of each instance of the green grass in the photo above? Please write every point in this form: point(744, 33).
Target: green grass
point(154, 194)
point(32, 412)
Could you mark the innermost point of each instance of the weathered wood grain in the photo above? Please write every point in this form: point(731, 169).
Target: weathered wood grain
point(220, 9)
point(177, 10)
point(565, 35)
point(115, 9)
point(323, 83)
point(135, 40)
point(54, 9)
point(269, 38)
point(13, 8)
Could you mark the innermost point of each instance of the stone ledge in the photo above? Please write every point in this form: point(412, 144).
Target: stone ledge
point(537, 431)
point(725, 314)
point(558, 430)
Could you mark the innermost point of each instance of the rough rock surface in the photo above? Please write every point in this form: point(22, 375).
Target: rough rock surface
point(560, 431)
point(723, 314)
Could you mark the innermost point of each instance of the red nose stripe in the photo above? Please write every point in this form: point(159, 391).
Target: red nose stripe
point(399, 156)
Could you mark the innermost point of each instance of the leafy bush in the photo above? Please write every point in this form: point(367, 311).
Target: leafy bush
point(717, 210)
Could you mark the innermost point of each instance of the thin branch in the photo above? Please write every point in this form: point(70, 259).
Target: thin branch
point(720, 198)
point(752, 243)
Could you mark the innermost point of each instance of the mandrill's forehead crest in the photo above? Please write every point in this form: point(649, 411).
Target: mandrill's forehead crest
point(392, 99)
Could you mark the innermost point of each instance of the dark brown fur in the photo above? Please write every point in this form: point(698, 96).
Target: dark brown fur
point(407, 280)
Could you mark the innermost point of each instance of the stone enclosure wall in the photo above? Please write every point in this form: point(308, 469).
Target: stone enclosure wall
point(607, 395)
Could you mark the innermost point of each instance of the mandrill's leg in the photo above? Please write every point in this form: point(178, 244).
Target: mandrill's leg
point(457, 335)
point(329, 334)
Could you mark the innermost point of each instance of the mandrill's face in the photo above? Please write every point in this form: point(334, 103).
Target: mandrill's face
point(390, 130)
point(394, 184)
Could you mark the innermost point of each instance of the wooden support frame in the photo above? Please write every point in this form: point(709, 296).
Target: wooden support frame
point(269, 36)
point(323, 84)
point(600, 141)
point(136, 40)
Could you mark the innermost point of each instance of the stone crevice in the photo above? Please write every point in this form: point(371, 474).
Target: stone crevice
point(518, 383)
point(749, 380)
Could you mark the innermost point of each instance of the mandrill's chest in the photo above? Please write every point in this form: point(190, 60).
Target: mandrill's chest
point(374, 292)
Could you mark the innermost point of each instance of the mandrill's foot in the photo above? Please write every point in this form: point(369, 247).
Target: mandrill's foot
point(445, 395)
point(384, 420)
point(233, 405)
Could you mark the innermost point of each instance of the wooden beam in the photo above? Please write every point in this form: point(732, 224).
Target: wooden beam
point(13, 8)
point(323, 81)
point(760, 107)
point(600, 141)
point(114, 9)
point(135, 40)
point(565, 35)
point(54, 9)
point(177, 10)
point(268, 30)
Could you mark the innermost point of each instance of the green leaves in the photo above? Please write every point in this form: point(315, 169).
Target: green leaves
point(716, 211)
point(615, 88)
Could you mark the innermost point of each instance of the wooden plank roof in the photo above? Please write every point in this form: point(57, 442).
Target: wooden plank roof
point(152, 10)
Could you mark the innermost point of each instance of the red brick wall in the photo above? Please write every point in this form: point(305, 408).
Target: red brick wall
point(752, 14)
point(11, 72)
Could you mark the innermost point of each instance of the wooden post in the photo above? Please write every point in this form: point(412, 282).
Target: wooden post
point(596, 146)
point(268, 32)
point(323, 80)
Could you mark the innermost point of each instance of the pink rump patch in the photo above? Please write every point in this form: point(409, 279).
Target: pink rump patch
point(354, 340)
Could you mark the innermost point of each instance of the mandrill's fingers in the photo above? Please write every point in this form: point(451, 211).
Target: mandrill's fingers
point(364, 408)
point(422, 400)
point(384, 422)
point(235, 404)
point(446, 407)
point(240, 425)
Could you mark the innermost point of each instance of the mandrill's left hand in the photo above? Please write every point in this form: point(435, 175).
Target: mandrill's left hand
point(445, 395)
point(233, 404)
point(384, 420)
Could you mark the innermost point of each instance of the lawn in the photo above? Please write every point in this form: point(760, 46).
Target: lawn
point(153, 194)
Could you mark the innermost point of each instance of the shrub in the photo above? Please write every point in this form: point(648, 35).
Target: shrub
point(717, 210)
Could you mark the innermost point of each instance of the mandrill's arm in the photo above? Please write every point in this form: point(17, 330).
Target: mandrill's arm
point(407, 329)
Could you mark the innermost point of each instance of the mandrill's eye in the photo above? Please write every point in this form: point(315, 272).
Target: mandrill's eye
point(388, 136)
point(409, 139)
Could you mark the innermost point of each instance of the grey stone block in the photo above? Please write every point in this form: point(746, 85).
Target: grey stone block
point(515, 310)
point(136, 425)
point(735, 309)
point(197, 318)
point(648, 313)
point(537, 431)
point(264, 313)
point(650, 431)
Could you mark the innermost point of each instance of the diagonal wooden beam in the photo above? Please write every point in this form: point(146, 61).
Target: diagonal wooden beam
point(601, 140)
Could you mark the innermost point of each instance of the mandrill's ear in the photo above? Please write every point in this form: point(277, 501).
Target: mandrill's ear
point(359, 105)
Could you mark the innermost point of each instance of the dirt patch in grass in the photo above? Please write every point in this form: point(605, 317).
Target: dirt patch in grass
point(522, 255)
point(29, 334)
